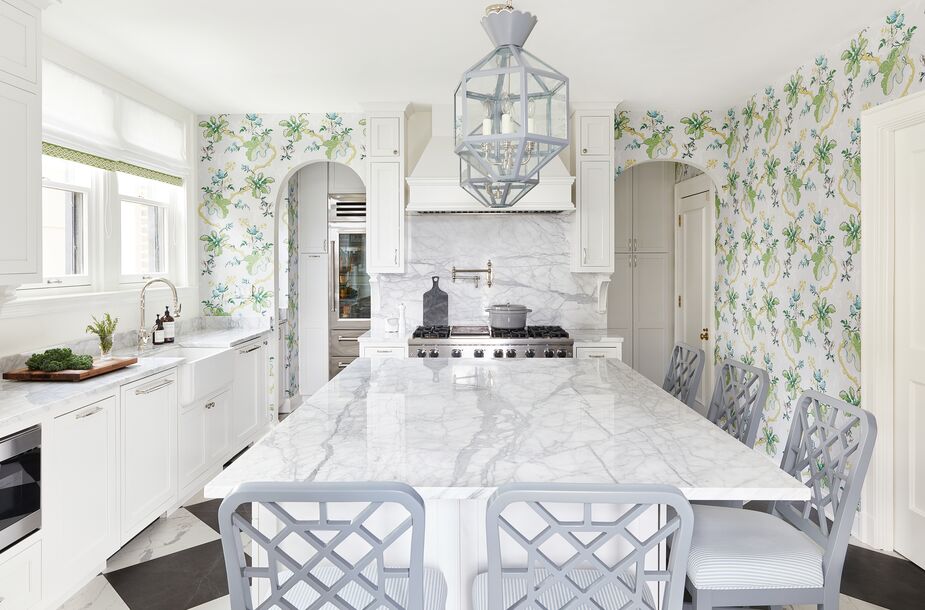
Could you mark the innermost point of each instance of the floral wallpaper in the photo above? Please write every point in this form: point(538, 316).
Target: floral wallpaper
point(787, 161)
point(289, 278)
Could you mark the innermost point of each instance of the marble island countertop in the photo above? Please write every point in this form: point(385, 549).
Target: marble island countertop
point(456, 429)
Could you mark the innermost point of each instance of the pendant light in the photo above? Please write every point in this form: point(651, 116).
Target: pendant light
point(511, 113)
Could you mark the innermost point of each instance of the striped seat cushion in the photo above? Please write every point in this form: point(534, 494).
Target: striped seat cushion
point(744, 549)
point(303, 596)
point(611, 597)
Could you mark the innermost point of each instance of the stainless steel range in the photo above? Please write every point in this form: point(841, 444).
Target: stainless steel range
point(487, 342)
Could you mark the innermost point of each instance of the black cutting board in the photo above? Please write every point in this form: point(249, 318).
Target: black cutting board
point(436, 306)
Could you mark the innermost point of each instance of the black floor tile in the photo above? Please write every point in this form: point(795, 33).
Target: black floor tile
point(883, 580)
point(174, 582)
point(207, 512)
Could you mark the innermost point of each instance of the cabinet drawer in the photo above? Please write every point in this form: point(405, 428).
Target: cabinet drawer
point(336, 365)
point(21, 578)
point(381, 351)
point(345, 342)
point(598, 352)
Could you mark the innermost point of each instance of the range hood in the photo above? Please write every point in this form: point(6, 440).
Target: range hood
point(433, 186)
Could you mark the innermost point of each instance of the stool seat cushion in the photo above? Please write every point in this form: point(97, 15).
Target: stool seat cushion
point(513, 588)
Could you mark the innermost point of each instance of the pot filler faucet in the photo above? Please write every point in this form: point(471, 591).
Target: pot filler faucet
point(143, 332)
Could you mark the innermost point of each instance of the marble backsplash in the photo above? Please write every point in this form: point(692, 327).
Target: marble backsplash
point(530, 255)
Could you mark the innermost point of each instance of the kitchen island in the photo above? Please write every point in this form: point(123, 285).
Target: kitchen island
point(455, 429)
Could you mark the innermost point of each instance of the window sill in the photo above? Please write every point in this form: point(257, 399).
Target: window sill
point(31, 304)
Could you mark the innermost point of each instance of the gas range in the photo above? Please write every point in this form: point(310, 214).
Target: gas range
point(487, 342)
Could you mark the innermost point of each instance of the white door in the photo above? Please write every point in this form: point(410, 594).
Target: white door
point(909, 345)
point(694, 271)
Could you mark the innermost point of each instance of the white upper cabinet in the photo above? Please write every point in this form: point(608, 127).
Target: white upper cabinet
point(385, 136)
point(21, 134)
point(653, 207)
point(594, 189)
point(623, 213)
point(313, 209)
point(343, 180)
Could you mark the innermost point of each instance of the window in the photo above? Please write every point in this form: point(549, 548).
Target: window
point(145, 207)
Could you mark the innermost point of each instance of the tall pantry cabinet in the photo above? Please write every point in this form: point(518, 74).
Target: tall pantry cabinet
point(641, 292)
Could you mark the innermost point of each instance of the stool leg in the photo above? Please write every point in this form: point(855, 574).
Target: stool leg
point(701, 600)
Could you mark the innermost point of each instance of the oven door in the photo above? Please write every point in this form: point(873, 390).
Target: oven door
point(20, 485)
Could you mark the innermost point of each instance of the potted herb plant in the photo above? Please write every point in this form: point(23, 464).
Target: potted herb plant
point(104, 329)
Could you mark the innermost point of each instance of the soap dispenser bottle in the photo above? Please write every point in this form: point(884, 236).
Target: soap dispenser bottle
point(170, 327)
point(158, 331)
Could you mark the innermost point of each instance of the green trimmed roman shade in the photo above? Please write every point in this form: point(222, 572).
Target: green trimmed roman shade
point(69, 154)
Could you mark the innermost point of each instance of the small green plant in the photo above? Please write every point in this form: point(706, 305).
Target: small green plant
point(103, 329)
point(59, 359)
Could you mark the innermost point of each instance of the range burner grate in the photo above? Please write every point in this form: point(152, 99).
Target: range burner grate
point(530, 332)
point(431, 332)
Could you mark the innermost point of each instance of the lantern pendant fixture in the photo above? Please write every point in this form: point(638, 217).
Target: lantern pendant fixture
point(511, 113)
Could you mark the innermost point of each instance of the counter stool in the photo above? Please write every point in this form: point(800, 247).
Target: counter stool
point(684, 371)
point(739, 396)
point(795, 554)
point(331, 549)
point(582, 546)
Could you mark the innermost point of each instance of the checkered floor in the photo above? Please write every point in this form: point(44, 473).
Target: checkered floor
point(176, 564)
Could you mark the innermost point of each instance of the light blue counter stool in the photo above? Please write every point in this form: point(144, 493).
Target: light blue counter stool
point(684, 372)
point(599, 563)
point(794, 555)
point(308, 564)
point(739, 396)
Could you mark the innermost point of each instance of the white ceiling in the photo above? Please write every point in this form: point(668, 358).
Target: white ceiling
point(306, 55)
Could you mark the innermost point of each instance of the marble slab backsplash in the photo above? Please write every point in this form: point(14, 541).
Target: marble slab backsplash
point(530, 255)
point(127, 340)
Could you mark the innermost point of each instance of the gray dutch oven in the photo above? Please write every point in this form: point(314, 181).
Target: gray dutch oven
point(508, 316)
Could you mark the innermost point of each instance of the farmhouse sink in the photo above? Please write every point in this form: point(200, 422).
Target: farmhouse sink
point(204, 370)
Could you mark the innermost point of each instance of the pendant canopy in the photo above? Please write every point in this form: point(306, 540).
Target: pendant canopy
point(511, 114)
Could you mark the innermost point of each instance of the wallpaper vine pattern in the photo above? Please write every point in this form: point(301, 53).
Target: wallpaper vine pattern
point(787, 162)
point(289, 233)
point(244, 160)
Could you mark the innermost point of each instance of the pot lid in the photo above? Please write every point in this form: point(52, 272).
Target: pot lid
point(508, 308)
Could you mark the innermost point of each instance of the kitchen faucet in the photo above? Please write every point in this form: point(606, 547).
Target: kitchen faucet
point(143, 332)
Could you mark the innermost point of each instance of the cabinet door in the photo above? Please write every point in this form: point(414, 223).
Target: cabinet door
point(385, 219)
point(20, 175)
point(250, 393)
point(623, 212)
point(595, 189)
point(596, 135)
point(21, 577)
point(620, 303)
point(82, 519)
point(384, 137)
point(149, 451)
point(18, 46)
point(342, 179)
point(217, 423)
point(653, 319)
point(204, 430)
point(653, 207)
point(313, 208)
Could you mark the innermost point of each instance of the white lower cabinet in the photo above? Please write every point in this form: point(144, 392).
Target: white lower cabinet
point(203, 438)
point(82, 515)
point(610, 351)
point(383, 351)
point(249, 403)
point(21, 577)
point(149, 451)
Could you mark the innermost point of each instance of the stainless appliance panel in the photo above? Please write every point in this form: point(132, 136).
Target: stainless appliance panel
point(20, 485)
point(345, 342)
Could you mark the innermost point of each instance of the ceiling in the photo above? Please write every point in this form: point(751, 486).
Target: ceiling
point(305, 55)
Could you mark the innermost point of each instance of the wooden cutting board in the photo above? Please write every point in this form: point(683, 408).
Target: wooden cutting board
point(436, 305)
point(100, 367)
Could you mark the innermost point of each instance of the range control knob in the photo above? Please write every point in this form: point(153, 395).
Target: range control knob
point(511, 353)
point(434, 353)
point(561, 353)
point(499, 353)
point(530, 353)
point(479, 353)
point(456, 353)
point(548, 353)
point(422, 353)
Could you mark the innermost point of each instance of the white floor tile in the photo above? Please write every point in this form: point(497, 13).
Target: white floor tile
point(97, 595)
point(222, 603)
point(196, 499)
point(179, 531)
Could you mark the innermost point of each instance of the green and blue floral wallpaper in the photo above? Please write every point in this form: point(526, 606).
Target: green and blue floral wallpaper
point(787, 161)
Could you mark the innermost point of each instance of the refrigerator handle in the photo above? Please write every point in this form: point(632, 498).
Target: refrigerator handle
point(334, 286)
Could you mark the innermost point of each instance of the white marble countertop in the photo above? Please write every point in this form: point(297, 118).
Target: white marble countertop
point(455, 429)
point(23, 402)
point(599, 335)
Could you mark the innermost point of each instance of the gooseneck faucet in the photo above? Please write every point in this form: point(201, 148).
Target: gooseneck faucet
point(143, 332)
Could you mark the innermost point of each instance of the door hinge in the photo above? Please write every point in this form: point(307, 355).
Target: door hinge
point(679, 220)
point(679, 300)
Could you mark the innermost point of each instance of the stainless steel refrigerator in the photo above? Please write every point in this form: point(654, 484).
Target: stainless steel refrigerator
point(349, 296)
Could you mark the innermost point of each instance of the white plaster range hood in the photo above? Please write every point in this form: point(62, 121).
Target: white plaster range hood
point(433, 186)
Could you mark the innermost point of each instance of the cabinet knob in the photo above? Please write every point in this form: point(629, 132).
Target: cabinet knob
point(210, 404)
point(395, 152)
point(584, 151)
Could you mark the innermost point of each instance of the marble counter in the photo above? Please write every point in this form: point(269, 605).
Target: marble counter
point(456, 429)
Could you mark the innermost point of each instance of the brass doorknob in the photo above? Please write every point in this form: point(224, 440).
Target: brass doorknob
point(705, 334)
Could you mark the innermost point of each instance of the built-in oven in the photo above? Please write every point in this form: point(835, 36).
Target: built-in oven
point(20, 485)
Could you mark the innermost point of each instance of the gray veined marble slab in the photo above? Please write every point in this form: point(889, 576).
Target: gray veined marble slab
point(456, 429)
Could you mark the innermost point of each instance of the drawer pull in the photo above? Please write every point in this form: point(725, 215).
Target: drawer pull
point(210, 404)
point(383, 351)
point(596, 356)
point(349, 339)
point(247, 351)
point(86, 413)
point(163, 384)
point(342, 365)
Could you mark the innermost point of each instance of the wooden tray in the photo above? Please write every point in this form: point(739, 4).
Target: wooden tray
point(100, 367)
